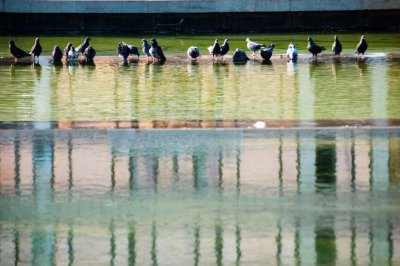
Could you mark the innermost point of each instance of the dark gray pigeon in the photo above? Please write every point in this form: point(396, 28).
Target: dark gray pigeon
point(36, 50)
point(16, 52)
point(239, 56)
point(123, 51)
point(193, 52)
point(215, 49)
point(133, 50)
point(361, 46)
point(89, 54)
point(82, 48)
point(266, 53)
point(336, 46)
point(57, 54)
point(313, 48)
point(224, 48)
point(146, 48)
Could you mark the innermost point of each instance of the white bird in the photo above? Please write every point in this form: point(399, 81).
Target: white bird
point(259, 124)
point(72, 55)
point(292, 52)
point(253, 46)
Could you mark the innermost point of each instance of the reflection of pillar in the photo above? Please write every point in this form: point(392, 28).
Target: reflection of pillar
point(220, 170)
point(112, 243)
point(379, 163)
point(198, 169)
point(306, 173)
point(353, 237)
point(196, 250)
point(17, 167)
point(175, 166)
point(238, 160)
point(133, 184)
point(154, 244)
point(43, 237)
point(297, 242)
point(70, 243)
point(112, 168)
point(219, 242)
point(132, 245)
point(70, 177)
point(238, 235)
point(325, 238)
point(325, 162)
point(280, 171)
point(278, 240)
point(16, 245)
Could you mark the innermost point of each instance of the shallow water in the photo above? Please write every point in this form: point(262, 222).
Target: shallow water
point(89, 174)
point(183, 197)
point(304, 91)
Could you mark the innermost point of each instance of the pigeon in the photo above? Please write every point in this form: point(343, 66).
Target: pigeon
point(154, 50)
point(161, 54)
point(292, 52)
point(361, 46)
point(123, 51)
point(336, 46)
point(66, 50)
point(82, 48)
point(36, 50)
point(313, 48)
point(57, 54)
point(215, 49)
point(193, 52)
point(72, 55)
point(146, 47)
point(224, 48)
point(89, 54)
point(133, 50)
point(239, 56)
point(16, 52)
point(266, 53)
point(253, 46)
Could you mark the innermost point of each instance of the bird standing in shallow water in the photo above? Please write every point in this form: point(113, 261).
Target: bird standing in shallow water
point(156, 52)
point(72, 55)
point(292, 52)
point(89, 54)
point(146, 48)
point(16, 52)
point(123, 52)
point(253, 46)
point(134, 50)
point(313, 48)
point(336, 46)
point(214, 49)
point(193, 52)
point(224, 48)
point(81, 48)
point(361, 46)
point(57, 54)
point(266, 53)
point(239, 56)
point(66, 51)
point(36, 50)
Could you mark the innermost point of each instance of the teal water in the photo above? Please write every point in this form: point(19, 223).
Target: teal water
point(200, 197)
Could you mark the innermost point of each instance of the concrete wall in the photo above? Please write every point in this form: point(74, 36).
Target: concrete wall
point(194, 6)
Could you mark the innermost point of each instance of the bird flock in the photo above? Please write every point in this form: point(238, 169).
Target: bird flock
point(154, 52)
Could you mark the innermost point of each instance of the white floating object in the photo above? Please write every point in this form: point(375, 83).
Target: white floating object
point(259, 124)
